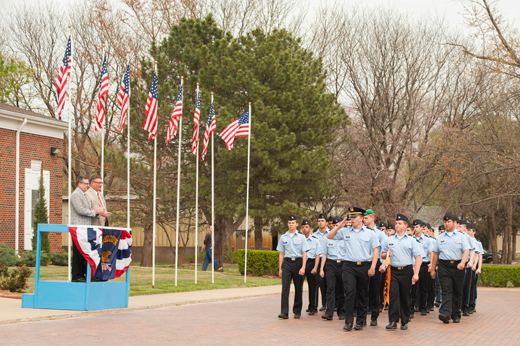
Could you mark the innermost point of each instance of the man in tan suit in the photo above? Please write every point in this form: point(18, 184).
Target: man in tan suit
point(96, 200)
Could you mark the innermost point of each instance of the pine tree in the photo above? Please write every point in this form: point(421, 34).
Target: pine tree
point(40, 216)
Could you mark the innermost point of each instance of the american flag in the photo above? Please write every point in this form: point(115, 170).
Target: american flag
point(63, 76)
point(177, 112)
point(196, 117)
point(238, 128)
point(103, 91)
point(122, 98)
point(150, 122)
point(210, 127)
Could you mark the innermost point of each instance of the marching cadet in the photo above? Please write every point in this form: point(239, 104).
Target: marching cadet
point(470, 267)
point(438, 296)
point(329, 222)
point(292, 262)
point(402, 250)
point(362, 254)
point(422, 286)
point(390, 230)
point(374, 291)
point(321, 234)
point(311, 266)
point(382, 226)
point(451, 250)
point(431, 282)
point(474, 279)
point(333, 252)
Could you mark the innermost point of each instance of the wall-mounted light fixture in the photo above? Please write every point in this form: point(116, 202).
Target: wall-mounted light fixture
point(55, 151)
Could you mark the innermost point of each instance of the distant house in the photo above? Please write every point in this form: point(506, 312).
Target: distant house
point(41, 150)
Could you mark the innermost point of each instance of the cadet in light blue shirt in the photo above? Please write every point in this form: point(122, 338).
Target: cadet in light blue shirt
point(311, 267)
point(292, 261)
point(321, 234)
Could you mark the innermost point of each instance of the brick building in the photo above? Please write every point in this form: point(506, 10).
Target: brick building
point(41, 150)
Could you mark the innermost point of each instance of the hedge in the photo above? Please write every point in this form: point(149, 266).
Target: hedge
point(500, 276)
point(259, 262)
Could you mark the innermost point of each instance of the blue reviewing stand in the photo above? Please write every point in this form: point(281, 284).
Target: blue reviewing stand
point(66, 295)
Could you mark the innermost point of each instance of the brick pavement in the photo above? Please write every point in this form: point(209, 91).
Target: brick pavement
point(252, 321)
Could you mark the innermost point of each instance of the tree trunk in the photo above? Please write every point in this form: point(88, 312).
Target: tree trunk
point(515, 231)
point(224, 229)
point(259, 226)
point(146, 259)
point(510, 254)
point(493, 236)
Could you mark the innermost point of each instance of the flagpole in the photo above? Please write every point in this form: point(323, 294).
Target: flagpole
point(178, 193)
point(197, 197)
point(247, 189)
point(128, 150)
point(103, 133)
point(154, 194)
point(69, 81)
point(212, 203)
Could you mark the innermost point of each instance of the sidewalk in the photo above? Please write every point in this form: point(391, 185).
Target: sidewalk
point(12, 312)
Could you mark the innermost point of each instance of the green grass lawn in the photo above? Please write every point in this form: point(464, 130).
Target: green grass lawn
point(141, 278)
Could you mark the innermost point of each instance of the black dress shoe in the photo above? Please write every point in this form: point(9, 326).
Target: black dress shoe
point(341, 317)
point(386, 308)
point(412, 315)
point(471, 311)
point(327, 317)
point(391, 326)
point(355, 313)
point(347, 327)
point(297, 316)
point(311, 313)
point(369, 312)
point(365, 322)
point(444, 319)
point(437, 304)
point(79, 280)
point(456, 320)
point(424, 313)
point(373, 323)
point(283, 316)
point(358, 327)
point(323, 308)
point(380, 309)
point(465, 313)
point(404, 326)
point(307, 310)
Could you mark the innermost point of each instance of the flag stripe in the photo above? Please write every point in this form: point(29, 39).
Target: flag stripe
point(150, 122)
point(210, 127)
point(63, 78)
point(177, 112)
point(237, 128)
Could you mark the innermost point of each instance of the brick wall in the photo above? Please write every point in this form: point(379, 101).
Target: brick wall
point(32, 147)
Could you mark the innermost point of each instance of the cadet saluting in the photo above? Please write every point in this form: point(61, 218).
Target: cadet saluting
point(402, 249)
point(452, 251)
point(293, 249)
point(362, 254)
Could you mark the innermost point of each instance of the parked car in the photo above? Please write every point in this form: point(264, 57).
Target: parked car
point(487, 257)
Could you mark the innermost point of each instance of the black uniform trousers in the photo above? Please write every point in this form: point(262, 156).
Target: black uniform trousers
point(355, 283)
point(333, 274)
point(466, 286)
point(422, 288)
point(430, 300)
point(413, 298)
point(382, 288)
point(321, 284)
point(450, 279)
point(79, 264)
point(438, 296)
point(290, 271)
point(311, 282)
point(374, 291)
point(400, 288)
point(473, 291)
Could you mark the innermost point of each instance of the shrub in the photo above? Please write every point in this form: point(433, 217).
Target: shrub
point(500, 276)
point(8, 256)
point(60, 259)
point(29, 258)
point(16, 280)
point(231, 257)
point(259, 262)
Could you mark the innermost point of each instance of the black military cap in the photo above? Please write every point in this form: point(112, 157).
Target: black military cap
point(337, 219)
point(390, 226)
point(417, 222)
point(441, 228)
point(305, 222)
point(330, 219)
point(355, 211)
point(322, 216)
point(450, 216)
point(470, 225)
point(463, 222)
point(293, 218)
point(401, 217)
point(382, 224)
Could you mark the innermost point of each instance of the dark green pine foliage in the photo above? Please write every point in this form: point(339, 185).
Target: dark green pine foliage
point(40, 216)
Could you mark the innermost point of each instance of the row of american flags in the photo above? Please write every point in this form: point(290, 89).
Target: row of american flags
point(237, 128)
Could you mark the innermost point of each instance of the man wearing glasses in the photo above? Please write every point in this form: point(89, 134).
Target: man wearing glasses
point(81, 214)
point(96, 200)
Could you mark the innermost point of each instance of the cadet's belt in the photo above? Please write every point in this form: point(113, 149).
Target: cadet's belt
point(292, 258)
point(449, 261)
point(358, 263)
point(426, 262)
point(334, 261)
point(401, 268)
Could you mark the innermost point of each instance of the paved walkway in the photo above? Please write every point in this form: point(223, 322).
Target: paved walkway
point(244, 320)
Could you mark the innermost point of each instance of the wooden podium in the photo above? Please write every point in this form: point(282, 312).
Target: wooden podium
point(66, 295)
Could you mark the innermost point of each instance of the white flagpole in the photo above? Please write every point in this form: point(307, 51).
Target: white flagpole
point(212, 203)
point(128, 150)
point(197, 196)
point(154, 193)
point(247, 189)
point(103, 133)
point(69, 82)
point(178, 192)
